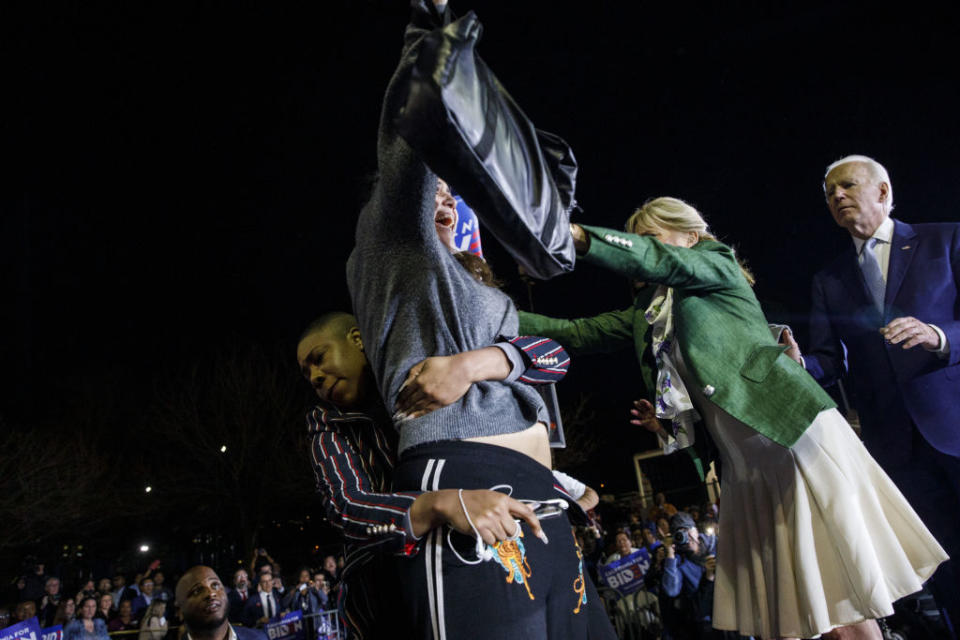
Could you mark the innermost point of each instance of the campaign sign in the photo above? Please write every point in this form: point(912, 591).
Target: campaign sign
point(26, 630)
point(466, 236)
point(289, 627)
point(626, 574)
point(52, 633)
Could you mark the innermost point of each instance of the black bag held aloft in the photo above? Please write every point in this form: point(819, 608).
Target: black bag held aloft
point(519, 180)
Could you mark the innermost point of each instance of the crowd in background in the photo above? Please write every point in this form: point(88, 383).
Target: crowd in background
point(143, 603)
point(674, 602)
point(676, 597)
point(260, 591)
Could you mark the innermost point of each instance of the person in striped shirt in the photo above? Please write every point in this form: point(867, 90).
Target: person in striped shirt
point(353, 457)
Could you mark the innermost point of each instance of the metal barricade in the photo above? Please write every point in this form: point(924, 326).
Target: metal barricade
point(326, 625)
point(635, 616)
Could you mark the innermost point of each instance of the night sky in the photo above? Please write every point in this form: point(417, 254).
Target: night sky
point(187, 176)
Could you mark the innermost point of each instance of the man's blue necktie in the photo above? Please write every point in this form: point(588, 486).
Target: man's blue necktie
point(871, 272)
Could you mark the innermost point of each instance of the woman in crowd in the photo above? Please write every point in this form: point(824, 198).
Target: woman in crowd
point(105, 606)
point(817, 537)
point(66, 612)
point(86, 626)
point(153, 624)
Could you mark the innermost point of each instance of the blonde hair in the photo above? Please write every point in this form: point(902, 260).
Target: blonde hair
point(673, 214)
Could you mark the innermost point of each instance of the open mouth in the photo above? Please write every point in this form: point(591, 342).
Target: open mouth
point(444, 219)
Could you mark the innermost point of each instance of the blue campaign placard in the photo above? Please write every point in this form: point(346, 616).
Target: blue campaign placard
point(26, 630)
point(467, 234)
point(52, 633)
point(626, 574)
point(290, 627)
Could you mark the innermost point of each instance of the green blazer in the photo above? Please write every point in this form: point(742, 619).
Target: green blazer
point(719, 327)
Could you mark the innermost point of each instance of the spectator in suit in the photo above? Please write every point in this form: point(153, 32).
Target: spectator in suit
point(203, 606)
point(121, 591)
point(239, 595)
point(887, 312)
point(142, 601)
point(264, 606)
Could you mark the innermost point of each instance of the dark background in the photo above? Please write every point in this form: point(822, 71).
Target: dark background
point(186, 177)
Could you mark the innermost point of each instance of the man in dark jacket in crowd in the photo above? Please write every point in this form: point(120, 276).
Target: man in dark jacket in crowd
point(203, 603)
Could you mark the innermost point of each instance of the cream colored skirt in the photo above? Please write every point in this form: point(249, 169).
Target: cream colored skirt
point(811, 537)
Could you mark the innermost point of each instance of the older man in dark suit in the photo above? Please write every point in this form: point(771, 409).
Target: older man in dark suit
point(887, 313)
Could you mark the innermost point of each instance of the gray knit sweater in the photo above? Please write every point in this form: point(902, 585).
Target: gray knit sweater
point(414, 300)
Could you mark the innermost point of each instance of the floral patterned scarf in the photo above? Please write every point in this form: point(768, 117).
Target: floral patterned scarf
point(672, 400)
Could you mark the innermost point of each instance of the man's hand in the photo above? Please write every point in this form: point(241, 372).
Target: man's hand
point(671, 550)
point(911, 332)
point(645, 416)
point(793, 349)
point(442, 380)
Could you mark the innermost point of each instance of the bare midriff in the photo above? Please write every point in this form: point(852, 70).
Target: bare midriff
point(532, 441)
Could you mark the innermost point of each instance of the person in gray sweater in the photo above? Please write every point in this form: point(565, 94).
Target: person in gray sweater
point(501, 571)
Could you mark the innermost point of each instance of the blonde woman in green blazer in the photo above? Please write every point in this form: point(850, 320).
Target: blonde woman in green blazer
point(814, 535)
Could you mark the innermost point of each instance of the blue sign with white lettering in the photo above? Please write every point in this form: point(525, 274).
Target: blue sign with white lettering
point(467, 234)
point(290, 627)
point(626, 574)
point(26, 630)
point(52, 633)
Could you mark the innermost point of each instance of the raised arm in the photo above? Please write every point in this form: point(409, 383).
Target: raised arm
point(401, 208)
point(707, 266)
point(605, 333)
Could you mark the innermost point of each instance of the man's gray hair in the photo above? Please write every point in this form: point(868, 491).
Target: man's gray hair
point(877, 171)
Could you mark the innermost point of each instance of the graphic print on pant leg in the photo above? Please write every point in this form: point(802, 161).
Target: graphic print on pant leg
point(512, 556)
point(578, 585)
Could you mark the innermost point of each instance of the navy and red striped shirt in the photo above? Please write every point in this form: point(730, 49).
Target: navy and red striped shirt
point(353, 458)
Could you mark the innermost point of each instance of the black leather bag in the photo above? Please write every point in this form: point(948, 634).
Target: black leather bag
point(519, 180)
